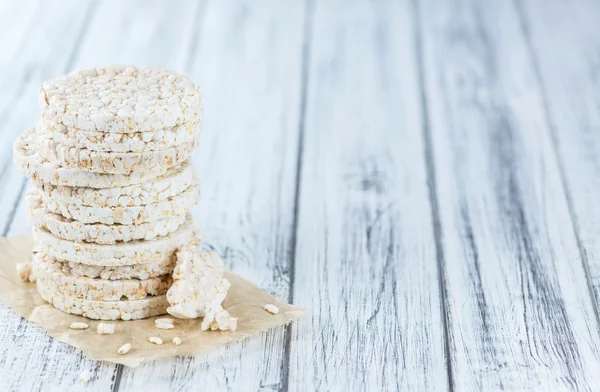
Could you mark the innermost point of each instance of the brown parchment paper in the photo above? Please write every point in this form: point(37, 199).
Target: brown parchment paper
point(244, 301)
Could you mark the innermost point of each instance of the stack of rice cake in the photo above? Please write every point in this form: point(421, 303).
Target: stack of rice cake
point(112, 189)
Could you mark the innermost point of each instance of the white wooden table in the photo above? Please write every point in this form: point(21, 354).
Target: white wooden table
point(422, 174)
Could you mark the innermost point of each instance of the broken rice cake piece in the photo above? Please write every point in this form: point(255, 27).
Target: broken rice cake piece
point(199, 288)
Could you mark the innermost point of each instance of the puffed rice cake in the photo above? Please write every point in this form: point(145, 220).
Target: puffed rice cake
point(177, 179)
point(58, 278)
point(112, 195)
point(159, 251)
point(121, 99)
point(175, 206)
point(99, 233)
point(120, 142)
point(113, 162)
point(138, 271)
point(104, 310)
point(29, 162)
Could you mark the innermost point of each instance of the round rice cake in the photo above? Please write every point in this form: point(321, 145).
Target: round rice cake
point(120, 99)
point(139, 271)
point(57, 278)
point(176, 180)
point(113, 162)
point(29, 162)
point(120, 142)
point(159, 251)
point(175, 206)
point(103, 310)
point(99, 233)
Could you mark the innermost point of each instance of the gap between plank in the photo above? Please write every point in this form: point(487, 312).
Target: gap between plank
point(189, 63)
point(432, 187)
point(555, 150)
point(306, 48)
point(74, 53)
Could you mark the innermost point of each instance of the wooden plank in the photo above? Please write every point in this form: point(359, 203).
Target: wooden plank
point(248, 62)
point(39, 56)
point(145, 33)
point(519, 312)
point(28, 357)
point(564, 43)
point(16, 21)
point(365, 256)
point(139, 31)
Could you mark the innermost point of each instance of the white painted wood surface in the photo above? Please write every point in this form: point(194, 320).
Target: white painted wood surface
point(421, 174)
point(365, 256)
point(519, 310)
point(569, 79)
point(247, 60)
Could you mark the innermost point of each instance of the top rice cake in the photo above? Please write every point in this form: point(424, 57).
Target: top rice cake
point(120, 99)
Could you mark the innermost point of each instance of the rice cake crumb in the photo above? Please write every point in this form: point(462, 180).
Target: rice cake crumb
point(124, 349)
point(105, 329)
point(79, 325)
point(85, 376)
point(271, 308)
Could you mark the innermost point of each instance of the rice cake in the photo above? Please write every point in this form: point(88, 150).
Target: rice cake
point(120, 99)
point(159, 251)
point(173, 182)
point(175, 206)
point(29, 162)
point(58, 279)
point(104, 310)
point(138, 271)
point(113, 162)
point(99, 233)
point(120, 142)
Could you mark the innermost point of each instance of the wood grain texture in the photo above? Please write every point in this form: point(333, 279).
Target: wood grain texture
point(158, 36)
point(365, 256)
point(17, 21)
point(410, 170)
point(29, 360)
point(247, 62)
point(569, 79)
point(520, 314)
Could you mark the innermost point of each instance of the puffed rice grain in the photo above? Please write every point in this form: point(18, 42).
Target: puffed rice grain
point(25, 272)
point(79, 326)
point(105, 329)
point(124, 349)
point(271, 308)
